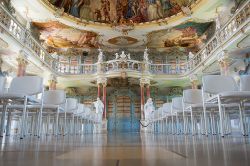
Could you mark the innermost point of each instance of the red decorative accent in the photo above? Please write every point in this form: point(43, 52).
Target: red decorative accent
point(21, 70)
point(104, 101)
point(99, 91)
point(52, 85)
point(148, 91)
point(142, 101)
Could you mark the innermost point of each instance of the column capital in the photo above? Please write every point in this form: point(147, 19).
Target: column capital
point(144, 81)
point(224, 57)
point(53, 77)
point(193, 78)
point(102, 80)
point(194, 81)
point(22, 58)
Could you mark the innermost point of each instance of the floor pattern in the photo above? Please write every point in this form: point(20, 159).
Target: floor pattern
point(127, 149)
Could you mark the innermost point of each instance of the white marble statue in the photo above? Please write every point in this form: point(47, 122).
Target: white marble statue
point(100, 55)
point(149, 109)
point(99, 106)
point(145, 56)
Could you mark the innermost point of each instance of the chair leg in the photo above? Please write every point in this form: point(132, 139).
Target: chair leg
point(73, 125)
point(65, 124)
point(242, 125)
point(184, 123)
point(36, 124)
point(172, 122)
point(48, 124)
point(192, 122)
point(205, 122)
point(2, 127)
point(57, 122)
point(23, 118)
point(221, 117)
point(32, 124)
point(8, 128)
point(177, 124)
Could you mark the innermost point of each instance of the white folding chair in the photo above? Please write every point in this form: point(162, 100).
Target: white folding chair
point(22, 90)
point(224, 92)
point(70, 109)
point(245, 86)
point(53, 103)
point(167, 114)
point(193, 105)
point(78, 115)
point(177, 108)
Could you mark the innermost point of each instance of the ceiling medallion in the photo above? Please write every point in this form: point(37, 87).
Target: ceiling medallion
point(123, 41)
point(124, 26)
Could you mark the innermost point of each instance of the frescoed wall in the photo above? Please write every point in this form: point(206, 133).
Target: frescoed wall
point(58, 35)
point(184, 38)
point(110, 11)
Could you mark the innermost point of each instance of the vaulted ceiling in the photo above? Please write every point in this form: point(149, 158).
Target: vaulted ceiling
point(167, 26)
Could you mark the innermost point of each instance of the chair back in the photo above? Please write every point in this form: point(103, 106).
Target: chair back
point(28, 85)
point(177, 104)
point(80, 108)
point(55, 97)
point(245, 83)
point(71, 104)
point(2, 84)
point(192, 96)
point(167, 107)
point(214, 84)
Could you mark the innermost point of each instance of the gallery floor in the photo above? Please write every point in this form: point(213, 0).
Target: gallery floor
point(131, 149)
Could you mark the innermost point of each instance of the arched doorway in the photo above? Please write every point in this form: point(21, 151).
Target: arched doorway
point(123, 111)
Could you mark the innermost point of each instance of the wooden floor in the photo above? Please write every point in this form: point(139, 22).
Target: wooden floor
point(127, 149)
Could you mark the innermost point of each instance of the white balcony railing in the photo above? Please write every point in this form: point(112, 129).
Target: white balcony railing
point(240, 19)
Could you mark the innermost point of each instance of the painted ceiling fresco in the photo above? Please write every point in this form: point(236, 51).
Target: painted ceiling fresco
point(122, 40)
point(58, 35)
point(184, 38)
point(116, 11)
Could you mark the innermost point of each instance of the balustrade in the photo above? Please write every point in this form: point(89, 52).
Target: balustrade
point(24, 37)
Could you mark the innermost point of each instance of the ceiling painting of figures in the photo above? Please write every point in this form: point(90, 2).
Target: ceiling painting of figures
point(116, 11)
point(58, 35)
point(184, 38)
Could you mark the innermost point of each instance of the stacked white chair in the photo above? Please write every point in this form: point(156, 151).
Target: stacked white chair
point(87, 119)
point(71, 107)
point(245, 86)
point(167, 113)
point(78, 116)
point(53, 104)
point(2, 91)
point(193, 106)
point(177, 111)
point(21, 92)
point(225, 93)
